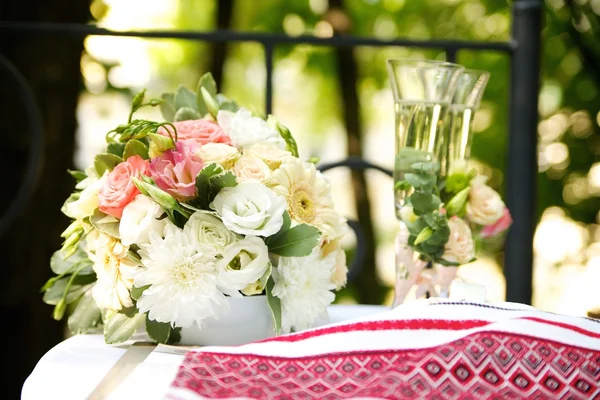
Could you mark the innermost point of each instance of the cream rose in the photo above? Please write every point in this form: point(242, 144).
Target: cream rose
point(460, 247)
point(219, 153)
point(140, 217)
point(271, 155)
point(485, 206)
point(208, 230)
point(250, 208)
point(87, 202)
point(243, 264)
point(249, 168)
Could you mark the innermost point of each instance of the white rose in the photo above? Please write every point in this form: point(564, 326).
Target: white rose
point(485, 206)
point(87, 202)
point(340, 272)
point(460, 247)
point(249, 168)
point(271, 155)
point(206, 229)
point(140, 217)
point(244, 129)
point(243, 263)
point(219, 153)
point(250, 208)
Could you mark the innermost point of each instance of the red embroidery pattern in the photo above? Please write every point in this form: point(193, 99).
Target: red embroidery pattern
point(486, 365)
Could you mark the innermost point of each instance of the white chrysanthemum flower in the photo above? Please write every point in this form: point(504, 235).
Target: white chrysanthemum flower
point(114, 271)
point(304, 286)
point(244, 129)
point(183, 280)
point(308, 196)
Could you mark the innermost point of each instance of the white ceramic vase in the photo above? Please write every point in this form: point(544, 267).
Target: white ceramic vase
point(249, 319)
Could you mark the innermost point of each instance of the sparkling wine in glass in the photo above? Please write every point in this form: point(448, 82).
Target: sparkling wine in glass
point(423, 91)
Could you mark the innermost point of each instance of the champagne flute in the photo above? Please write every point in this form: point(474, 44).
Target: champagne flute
point(423, 91)
point(458, 125)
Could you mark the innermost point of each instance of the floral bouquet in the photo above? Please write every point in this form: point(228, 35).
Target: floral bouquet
point(177, 216)
point(443, 220)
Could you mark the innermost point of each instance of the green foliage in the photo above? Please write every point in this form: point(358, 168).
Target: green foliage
point(86, 315)
point(119, 327)
point(274, 305)
point(106, 162)
point(105, 223)
point(135, 147)
point(158, 331)
point(298, 241)
point(209, 182)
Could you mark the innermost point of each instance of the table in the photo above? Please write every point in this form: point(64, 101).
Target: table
point(74, 367)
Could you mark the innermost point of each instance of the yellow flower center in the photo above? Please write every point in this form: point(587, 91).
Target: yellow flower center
point(301, 206)
point(185, 274)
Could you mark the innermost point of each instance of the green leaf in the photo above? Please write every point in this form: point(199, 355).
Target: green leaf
point(402, 185)
point(298, 241)
point(209, 182)
point(136, 292)
point(158, 331)
point(116, 148)
point(163, 198)
point(423, 235)
point(424, 202)
point(54, 293)
point(119, 327)
point(175, 336)
point(106, 162)
point(208, 83)
point(61, 265)
point(420, 181)
point(209, 101)
point(226, 104)
point(73, 197)
point(186, 113)
point(135, 147)
point(417, 226)
point(86, 315)
point(167, 107)
point(275, 306)
point(78, 175)
point(184, 97)
point(285, 133)
point(105, 223)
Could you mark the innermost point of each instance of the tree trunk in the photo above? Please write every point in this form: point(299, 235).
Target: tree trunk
point(51, 67)
point(369, 290)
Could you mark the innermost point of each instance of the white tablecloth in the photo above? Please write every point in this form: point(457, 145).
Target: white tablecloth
point(74, 367)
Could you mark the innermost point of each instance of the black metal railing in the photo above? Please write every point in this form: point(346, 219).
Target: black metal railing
point(523, 49)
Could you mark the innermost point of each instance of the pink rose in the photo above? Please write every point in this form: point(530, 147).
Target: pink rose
point(176, 169)
point(118, 190)
point(500, 226)
point(202, 131)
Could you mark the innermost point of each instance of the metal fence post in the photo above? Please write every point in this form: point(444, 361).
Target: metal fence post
point(522, 149)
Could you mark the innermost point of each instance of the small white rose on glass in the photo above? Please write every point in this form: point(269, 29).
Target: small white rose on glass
point(305, 287)
point(140, 217)
point(243, 263)
point(460, 247)
point(207, 230)
point(244, 129)
point(182, 279)
point(219, 153)
point(250, 208)
point(249, 168)
point(271, 155)
point(485, 206)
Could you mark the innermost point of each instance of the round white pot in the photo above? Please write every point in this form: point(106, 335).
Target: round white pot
point(249, 319)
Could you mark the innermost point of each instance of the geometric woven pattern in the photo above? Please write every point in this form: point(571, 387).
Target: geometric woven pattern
point(427, 350)
point(484, 365)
